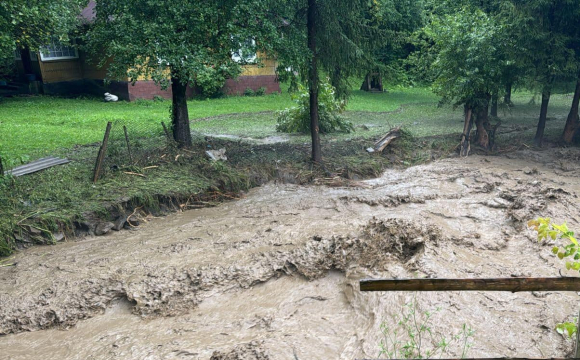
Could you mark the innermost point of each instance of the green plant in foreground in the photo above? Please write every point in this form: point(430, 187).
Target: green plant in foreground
point(297, 119)
point(412, 338)
point(547, 229)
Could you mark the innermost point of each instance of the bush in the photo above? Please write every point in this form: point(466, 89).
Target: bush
point(249, 92)
point(261, 91)
point(297, 119)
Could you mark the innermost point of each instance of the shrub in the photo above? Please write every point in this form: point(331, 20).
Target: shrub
point(249, 92)
point(261, 91)
point(297, 119)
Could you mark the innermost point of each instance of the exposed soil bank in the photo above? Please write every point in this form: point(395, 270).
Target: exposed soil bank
point(275, 275)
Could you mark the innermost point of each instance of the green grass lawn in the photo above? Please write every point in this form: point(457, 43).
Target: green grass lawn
point(33, 127)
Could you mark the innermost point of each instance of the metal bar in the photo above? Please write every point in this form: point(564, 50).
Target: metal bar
point(498, 284)
point(37, 165)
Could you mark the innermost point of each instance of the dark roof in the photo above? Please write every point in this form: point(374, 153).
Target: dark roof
point(88, 14)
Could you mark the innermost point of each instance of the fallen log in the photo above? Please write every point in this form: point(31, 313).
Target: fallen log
point(499, 284)
point(387, 139)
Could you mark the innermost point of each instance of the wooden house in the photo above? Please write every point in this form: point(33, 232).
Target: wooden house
point(61, 69)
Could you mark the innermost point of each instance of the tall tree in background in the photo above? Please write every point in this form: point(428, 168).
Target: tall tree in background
point(330, 36)
point(174, 42)
point(26, 25)
point(396, 20)
point(542, 31)
point(572, 127)
point(468, 63)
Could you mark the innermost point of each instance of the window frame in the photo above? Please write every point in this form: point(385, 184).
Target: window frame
point(238, 56)
point(57, 58)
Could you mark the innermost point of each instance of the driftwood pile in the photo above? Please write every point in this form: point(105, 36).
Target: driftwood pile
point(386, 140)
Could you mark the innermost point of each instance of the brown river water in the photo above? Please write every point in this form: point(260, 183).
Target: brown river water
point(275, 274)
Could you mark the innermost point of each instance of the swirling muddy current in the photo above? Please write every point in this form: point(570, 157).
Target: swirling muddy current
point(275, 274)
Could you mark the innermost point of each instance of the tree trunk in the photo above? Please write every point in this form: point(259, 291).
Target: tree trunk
point(542, 122)
point(465, 144)
point(180, 115)
point(482, 125)
point(573, 121)
point(494, 101)
point(313, 83)
point(507, 99)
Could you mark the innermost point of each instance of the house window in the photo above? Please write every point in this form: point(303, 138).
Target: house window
point(55, 50)
point(246, 54)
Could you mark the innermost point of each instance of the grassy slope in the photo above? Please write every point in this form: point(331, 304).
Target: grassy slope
point(41, 125)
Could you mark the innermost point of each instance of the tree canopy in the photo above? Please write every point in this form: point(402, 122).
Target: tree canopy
point(176, 43)
point(29, 24)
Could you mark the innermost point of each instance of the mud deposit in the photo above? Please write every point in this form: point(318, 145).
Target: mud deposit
point(275, 275)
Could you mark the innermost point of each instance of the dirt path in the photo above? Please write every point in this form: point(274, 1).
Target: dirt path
point(274, 275)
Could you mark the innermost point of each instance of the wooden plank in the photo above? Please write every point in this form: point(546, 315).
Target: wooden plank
point(36, 166)
point(498, 284)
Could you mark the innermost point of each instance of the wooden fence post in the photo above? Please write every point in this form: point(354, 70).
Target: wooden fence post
point(1, 167)
point(102, 153)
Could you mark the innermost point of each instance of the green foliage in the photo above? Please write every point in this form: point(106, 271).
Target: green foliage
point(412, 337)
point(7, 67)
point(468, 57)
point(261, 91)
point(297, 119)
point(396, 20)
point(189, 41)
point(345, 40)
point(546, 229)
point(31, 23)
point(249, 92)
point(567, 328)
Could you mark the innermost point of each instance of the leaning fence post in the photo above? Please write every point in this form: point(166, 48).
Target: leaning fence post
point(128, 144)
point(102, 152)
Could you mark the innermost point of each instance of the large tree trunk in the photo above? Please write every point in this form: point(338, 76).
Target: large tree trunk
point(494, 105)
point(313, 83)
point(180, 115)
point(465, 142)
point(482, 125)
point(507, 99)
point(573, 121)
point(543, 115)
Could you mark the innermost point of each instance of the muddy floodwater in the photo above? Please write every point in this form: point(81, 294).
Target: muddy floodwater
point(275, 274)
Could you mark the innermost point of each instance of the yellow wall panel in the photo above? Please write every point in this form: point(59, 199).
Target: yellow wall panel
point(61, 70)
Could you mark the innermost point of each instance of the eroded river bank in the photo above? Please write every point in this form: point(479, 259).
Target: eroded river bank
point(275, 274)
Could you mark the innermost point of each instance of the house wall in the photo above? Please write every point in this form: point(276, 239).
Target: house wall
point(82, 76)
point(61, 70)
